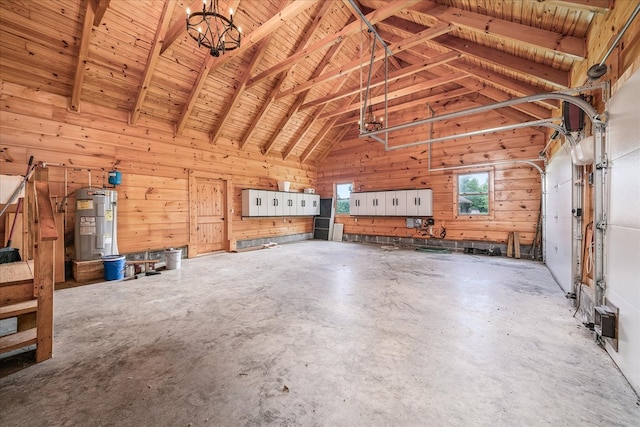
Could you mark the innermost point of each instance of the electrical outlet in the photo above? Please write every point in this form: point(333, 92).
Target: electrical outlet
point(417, 222)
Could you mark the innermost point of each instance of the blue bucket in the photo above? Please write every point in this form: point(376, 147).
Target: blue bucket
point(113, 267)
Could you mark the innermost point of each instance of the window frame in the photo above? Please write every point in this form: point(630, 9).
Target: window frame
point(490, 192)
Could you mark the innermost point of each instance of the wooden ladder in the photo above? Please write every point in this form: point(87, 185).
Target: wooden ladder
point(26, 292)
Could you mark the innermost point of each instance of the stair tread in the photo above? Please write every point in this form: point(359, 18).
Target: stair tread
point(18, 340)
point(18, 308)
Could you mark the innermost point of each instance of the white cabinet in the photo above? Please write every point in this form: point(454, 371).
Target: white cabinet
point(255, 202)
point(375, 203)
point(309, 204)
point(419, 203)
point(279, 203)
point(357, 203)
point(395, 203)
point(392, 203)
point(290, 201)
point(276, 204)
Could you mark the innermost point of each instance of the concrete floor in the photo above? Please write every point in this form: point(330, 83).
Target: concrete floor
point(323, 333)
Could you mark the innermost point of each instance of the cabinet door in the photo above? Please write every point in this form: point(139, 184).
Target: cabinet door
point(412, 203)
point(425, 205)
point(375, 203)
point(357, 202)
point(315, 204)
point(401, 203)
point(395, 203)
point(290, 202)
point(275, 205)
point(254, 202)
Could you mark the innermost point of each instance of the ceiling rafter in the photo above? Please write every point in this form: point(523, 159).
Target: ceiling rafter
point(401, 73)
point(329, 147)
point(83, 52)
point(312, 119)
point(409, 90)
point(349, 30)
point(524, 112)
point(540, 72)
point(152, 59)
point(407, 43)
point(254, 37)
point(99, 7)
point(574, 47)
point(328, 125)
point(410, 105)
point(263, 110)
point(276, 89)
point(255, 60)
point(504, 83)
point(331, 53)
point(178, 28)
point(596, 6)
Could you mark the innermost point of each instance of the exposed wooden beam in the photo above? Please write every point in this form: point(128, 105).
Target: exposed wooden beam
point(326, 60)
point(573, 47)
point(407, 43)
point(329, 147)
point(395, 76)
point(99, 7)
point(318, 139)
point(355, 27)
point(83, 52)
point(255, 60)
point(272, 25)
point(195, 92)
point(546, 74)
point(503, 82)
point(450, 94)
point(312, 119)
point(543, 73)
point(409, 90)
point(276, 89)
point(596, 6)
point(212, 63)
point(531, 110)
point(152, 59)
point(263, 110)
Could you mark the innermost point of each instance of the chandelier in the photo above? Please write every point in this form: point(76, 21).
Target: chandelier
point(213, 30)
point(370, 122)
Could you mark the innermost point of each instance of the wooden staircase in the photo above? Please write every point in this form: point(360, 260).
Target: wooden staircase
point(26, 287)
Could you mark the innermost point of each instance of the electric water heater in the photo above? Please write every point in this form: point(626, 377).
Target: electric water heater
point(96, 224)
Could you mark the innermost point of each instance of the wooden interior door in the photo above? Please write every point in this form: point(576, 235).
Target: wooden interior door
point(210, 207)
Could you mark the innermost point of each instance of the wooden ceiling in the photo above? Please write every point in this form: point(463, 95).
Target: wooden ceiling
point(293, 88)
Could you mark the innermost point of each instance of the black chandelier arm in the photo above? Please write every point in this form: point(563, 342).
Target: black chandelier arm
point(212, 30)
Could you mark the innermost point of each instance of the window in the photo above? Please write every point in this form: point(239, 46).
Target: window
point(473, 193)
point(343, 194)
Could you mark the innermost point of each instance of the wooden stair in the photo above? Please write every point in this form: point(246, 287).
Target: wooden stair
point(15, 310)
point(26, 287)
point(22, 338)
point(18, 340)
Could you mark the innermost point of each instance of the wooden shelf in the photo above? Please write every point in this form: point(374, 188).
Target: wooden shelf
point(18, 340)
point(18, 309)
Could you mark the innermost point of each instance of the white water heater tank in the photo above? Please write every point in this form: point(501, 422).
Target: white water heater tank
point(96, 223)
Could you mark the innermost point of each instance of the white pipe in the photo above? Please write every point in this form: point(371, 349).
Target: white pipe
point(579, 102)
point(544, 123)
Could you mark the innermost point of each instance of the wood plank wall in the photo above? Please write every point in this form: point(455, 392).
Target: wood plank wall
point(516, 187)
point(153, 200)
